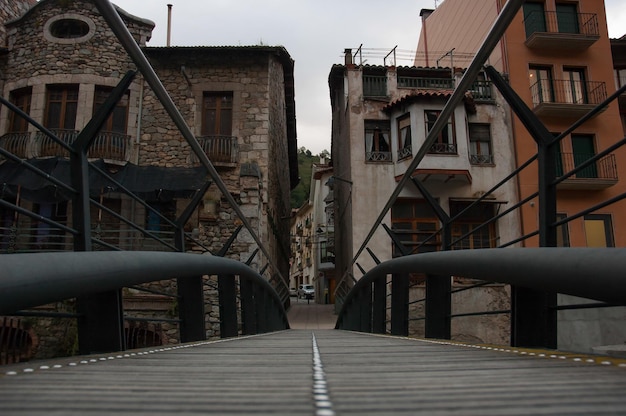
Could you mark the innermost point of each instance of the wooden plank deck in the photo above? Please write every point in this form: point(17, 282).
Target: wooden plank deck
point(323, 372)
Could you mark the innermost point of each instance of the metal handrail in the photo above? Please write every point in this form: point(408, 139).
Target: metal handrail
point(550, 269)
point(30, 280)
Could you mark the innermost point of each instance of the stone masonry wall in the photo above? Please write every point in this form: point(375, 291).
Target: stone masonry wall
point(9, 10)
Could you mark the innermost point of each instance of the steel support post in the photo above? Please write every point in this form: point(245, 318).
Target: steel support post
point(190, 290)
point(533, 318)
point(400, 304)
point(191, 309)
point(227, 291)
point(438, 307)
point(379, 306)
point(260, 300)
point(101, 321)
point(365, 308)
point(248, 310)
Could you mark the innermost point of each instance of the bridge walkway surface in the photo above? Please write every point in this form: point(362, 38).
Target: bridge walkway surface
point(317, 371)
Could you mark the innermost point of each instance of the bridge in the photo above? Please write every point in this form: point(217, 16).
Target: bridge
point(276, 356)
point(312, 369)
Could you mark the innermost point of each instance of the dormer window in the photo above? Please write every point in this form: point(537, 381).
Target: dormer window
point(69, 28)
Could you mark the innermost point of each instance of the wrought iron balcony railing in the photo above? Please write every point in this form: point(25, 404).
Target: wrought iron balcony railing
point(481, 159)
point(563, 97)
point(561, 30)
point(425, 83)
point(598, 175)
point(443, 149)
point(18, 143)
point(374, 85)
point(378, 156)
point(26, 145)
point(219, 149)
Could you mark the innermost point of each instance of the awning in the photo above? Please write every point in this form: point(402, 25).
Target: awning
point(151, 183)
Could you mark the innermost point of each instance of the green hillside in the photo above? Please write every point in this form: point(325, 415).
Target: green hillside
point(305, 164)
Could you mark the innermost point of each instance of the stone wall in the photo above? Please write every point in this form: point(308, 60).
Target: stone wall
point(10, 10)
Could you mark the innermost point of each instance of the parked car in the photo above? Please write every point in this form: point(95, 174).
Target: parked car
point(293, 292)
point(306, 292)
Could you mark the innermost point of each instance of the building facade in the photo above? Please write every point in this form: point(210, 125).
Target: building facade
point(381, 117)
point(60, 63)
point(557, 57)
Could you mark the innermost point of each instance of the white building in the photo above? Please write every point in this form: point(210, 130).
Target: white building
point(381, 116)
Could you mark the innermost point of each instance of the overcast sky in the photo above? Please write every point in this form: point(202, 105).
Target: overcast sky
point(314, 32)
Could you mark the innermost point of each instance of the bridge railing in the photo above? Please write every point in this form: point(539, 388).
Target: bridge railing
point(378, 302)
point(244, 302)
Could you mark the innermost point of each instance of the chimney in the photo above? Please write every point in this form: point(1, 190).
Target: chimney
point(169, 24)
point(347, 57)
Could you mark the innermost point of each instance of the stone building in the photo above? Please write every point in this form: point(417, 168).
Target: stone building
point(60, 63)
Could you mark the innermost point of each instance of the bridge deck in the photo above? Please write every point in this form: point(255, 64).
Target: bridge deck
point(316, 370)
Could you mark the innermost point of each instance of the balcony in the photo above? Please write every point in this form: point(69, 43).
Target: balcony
point(566, 98)
point(443, 149)
point(221, 150)
point(17, 143)
point(561, 31)
point(378, 157)
point(106, 145)
point(481, 91)
point(425, 83)
point(375, 86)
point(599, 175)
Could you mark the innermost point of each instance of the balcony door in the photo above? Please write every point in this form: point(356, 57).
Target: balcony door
point(567, 18)
point(61, 107)
point(534, 18)
point(541, 84)
point(583, 148)
point(575, 87)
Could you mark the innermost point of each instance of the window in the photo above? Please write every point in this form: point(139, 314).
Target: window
point(562, 233)
point(414, 222)
point(61, 106)
point(118, 120)
point(404, 137)
point(534, 18)
point(480, 144)
point(541, 87)
point(469, 222)
point(155, 222)
point(48, 237)
point(21, 99)
point(575, 87)
point(377, 147)
point(69, 28)
point(446, 141)
point(599, 230)
point(327, 254)
point(620, 78)
point(217, 114)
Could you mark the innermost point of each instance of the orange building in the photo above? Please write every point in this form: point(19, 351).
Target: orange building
point(557, 57)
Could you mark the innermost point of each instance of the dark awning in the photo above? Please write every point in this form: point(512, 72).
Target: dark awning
point(149, 182)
